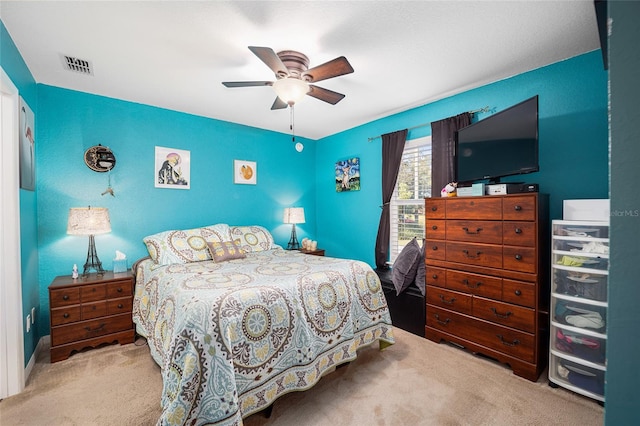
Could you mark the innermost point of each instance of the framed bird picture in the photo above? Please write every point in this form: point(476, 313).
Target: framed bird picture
point(245, 172)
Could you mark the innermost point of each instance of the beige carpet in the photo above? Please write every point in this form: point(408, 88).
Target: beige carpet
point(414, 382)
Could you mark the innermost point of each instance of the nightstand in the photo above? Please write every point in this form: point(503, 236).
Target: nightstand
point(87, 312)
point(316, 252)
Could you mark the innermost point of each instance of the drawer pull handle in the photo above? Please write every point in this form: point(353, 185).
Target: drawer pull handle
point(518, 231)
point(434, 248)
point(518, 256)
point(434, 276)
point(471, 256)
point(518, 293)
point(517, 208)
point(65, 297)
point(468, 284)
point(66, 315)
point(477, 231)
point(119, 290)
point(445, 322)
point(94, 307)
point(503, 316)
point(448, 302)
point(120, 306)
point(434, 227)
point(98, 328)
point(434, 208)
point(504, 342)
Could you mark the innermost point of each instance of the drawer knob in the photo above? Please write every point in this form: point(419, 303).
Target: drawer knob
point(518, 293)
point(518, 256)
point(119, 290)
point(518, 231)
point(445, 322)
point(66, 315)
point(434, 276)
point(517, 208)
point(94, 307)
point(120, 306)
point(477, 231)
point(448, 302)
point(504, 342)
point(434, 208)
point(434, 227)
point(434, 248)
point(502, 316)
point(65, 297)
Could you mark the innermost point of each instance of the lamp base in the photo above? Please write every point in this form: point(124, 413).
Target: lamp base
point(293, 241)
point(92, 259)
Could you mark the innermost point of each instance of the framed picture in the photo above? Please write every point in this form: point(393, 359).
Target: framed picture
point(27, 147)
point(172, 168)
point(348, 175)
point(245, 172)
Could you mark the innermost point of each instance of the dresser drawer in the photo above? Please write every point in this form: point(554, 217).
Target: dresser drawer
point(474, 254)
point(119, 289)
point(90, 293)
point(119, 306)
point(453, 300)
point(519, 292)
point(502, 339)
point(435, 208)
point(522, 259)
point(65, 315)
point(435, 276)
point(478, 231)
point(519, 234)
point(521, 207)
point(482, 285)
point(435, 249)
point(436, 229)
point(94, 310)
point(504, 313)
point(472, 208)
point(64, 296)
point(89, 329)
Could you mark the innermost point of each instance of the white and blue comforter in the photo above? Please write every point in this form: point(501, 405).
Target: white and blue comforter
point(233, 336)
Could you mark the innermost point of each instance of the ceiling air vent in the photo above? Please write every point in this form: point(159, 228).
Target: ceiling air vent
point(78, 65)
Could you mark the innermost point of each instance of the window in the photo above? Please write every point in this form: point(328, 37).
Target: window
point(407, 202)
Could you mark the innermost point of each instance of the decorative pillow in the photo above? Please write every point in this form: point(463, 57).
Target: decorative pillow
point(252, 238)
point(404, 269)
point(421, 271)
point(225, 250)
point(185, 246)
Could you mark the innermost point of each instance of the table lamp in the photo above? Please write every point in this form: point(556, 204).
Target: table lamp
point(89, 221)
point(293, 215)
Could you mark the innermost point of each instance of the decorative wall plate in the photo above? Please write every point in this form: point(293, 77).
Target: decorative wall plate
point(99, 158)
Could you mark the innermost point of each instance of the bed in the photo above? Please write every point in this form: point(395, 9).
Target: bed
point(234, 321)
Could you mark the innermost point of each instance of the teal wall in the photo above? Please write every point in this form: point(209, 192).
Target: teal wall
point(573, 130)
point(623, 342)
point(13, 64)
point(70, 122)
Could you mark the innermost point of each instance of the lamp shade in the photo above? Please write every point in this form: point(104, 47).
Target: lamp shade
point(88, 221)
point(294, 215)
point(290, 90)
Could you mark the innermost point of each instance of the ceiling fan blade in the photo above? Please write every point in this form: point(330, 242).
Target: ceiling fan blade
point(279, 104)
point(338, 66)
point(269, 57)
point(325, 94)
point(247, 83)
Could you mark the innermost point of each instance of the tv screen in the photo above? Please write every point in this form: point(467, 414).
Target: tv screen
point(503, 144)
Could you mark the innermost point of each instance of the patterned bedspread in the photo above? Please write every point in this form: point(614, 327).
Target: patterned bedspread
point(233, 336)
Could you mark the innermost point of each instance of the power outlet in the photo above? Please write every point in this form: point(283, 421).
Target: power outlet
point(28, 323)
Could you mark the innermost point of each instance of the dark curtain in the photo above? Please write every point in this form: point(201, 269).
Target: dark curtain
point(392, 148)
point(442, 150)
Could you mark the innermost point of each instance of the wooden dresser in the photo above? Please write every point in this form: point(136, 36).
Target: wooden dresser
point(87, 312)
point(487, 274)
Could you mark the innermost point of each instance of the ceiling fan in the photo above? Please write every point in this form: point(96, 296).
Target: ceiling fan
point(294, 77)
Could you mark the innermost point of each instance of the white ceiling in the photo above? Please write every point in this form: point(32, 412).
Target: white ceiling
point(175, 54)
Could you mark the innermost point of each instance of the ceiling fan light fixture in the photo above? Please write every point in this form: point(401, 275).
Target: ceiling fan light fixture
point(290, 90)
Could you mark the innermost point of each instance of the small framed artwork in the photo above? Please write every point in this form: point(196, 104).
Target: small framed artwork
point(245, 172)
point(172, 168)
point(26, 143)
point(348, 175)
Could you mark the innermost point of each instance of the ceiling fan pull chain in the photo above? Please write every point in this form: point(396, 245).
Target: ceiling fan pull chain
point(293, 132)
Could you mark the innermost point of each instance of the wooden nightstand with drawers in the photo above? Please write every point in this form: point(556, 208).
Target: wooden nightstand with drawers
point(91, 311)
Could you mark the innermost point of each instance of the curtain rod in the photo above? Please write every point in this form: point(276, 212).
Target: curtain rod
point(475, 111)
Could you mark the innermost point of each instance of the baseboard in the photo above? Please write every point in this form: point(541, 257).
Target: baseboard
point(43, 343)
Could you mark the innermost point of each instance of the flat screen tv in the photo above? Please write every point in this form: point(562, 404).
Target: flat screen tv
point(503, 144)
